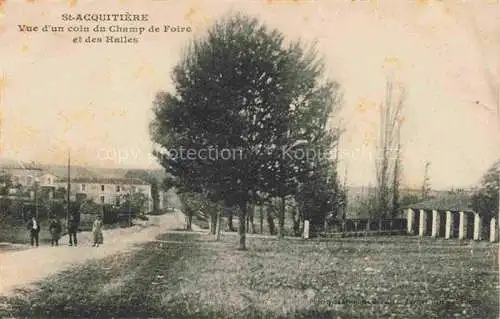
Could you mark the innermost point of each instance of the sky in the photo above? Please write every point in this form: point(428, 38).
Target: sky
point(96, 99)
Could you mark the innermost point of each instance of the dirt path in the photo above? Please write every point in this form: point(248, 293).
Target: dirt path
point(21, 268)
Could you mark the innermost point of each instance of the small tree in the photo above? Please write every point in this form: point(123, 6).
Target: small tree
point(155, 195)
point(317, 198)
point(485, 199)
point(60, 193)
point(88, 206)
point(5, 183)
point(134, 202)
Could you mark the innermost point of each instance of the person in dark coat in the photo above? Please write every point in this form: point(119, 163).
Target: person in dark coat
point(55, 229)
point(34, 229)
point(72, 230)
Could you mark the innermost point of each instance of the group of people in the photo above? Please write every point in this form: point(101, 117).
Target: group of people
point(55, 229)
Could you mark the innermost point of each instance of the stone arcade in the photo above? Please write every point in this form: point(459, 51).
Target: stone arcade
point(461, 224)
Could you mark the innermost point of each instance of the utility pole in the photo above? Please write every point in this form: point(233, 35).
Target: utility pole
point(344, 211)
point(69, 188)
point(129, 209)
point(36, 198)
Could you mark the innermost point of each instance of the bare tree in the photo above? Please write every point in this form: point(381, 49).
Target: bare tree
point(396, 179)
point(388, 144)
point(426, 183)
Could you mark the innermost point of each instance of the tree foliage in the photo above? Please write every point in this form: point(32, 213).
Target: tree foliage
point(134, 202)
point(485, 198)
point(5, 183)
point(241, 98)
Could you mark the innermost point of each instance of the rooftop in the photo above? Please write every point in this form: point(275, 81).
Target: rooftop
point(106, 180)
point(20, 165)
point(455, 202)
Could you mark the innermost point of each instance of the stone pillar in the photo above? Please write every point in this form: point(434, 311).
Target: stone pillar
point(422, 223)
point(435, 223)
point(306, 229)
point(493, 230)
point(462, 229)
point(477, 226)
point(409, 220)
point(449, 225)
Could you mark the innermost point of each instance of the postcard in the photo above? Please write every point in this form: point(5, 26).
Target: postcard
point(249, 159)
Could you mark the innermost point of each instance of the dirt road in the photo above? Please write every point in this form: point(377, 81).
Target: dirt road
point(19, 269)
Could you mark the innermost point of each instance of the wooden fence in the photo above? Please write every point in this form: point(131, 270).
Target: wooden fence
point(366, 227)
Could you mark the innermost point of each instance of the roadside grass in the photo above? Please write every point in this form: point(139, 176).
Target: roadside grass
point(187, 275)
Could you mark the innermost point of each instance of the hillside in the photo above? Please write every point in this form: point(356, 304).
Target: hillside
point(356, 195)
point(99, 172)
point(77, 171)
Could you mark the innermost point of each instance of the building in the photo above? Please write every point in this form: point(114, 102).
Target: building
point(23, 174)
point(106, 190)
point(108, 186)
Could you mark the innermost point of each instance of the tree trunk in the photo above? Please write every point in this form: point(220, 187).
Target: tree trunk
point(261, 219)
point(241, 226)
point(281, 221)
point(217, 227)
point(230, 222)
point(189, 221)
point(296, 223)
point(210, 224)
point(213, 220)
point(248, 220)
point(270, 222)
point(251, 220)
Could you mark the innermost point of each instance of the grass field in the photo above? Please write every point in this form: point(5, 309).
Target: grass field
point(189, 276)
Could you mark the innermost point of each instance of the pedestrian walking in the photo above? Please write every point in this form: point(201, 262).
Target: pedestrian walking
point(72, 230)
point(34, 229)
point(55, 229)
point(97, 231)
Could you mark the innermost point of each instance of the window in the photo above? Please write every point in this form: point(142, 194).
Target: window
point(83, 187)
point(102, 199)
point(117, 188)
point(102, 188)
point(29, 180)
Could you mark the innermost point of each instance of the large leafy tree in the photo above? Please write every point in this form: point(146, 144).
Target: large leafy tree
point(241, 97)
